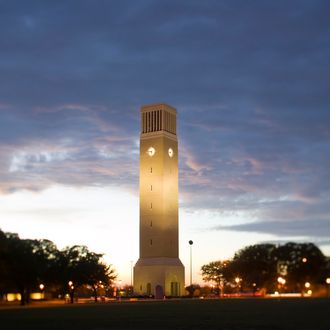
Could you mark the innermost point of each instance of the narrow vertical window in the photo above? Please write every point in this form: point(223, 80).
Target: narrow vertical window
point(151, 242)
point(174, 126)
point(157, 121)
point(161, 120)
point(148, 121)
point(151, 205)
point(151, 223)
point(151, 187)
point(150, 169)
point(153, 121)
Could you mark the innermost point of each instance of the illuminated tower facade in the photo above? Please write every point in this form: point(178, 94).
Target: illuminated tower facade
point(159, 270)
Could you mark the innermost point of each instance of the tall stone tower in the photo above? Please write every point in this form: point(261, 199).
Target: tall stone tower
point(159, 270)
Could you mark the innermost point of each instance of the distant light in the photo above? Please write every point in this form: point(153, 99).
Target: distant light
point(13, 296)
point(327, 280)
point(276, 293)
point(41, 286)
point(307, 285)
point(281, 280)
point(70, 283)
point(37, 295)
point(237, 279)
point(304, 259)
point(309, 292)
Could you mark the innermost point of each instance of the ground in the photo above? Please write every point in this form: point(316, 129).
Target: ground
point(225, 314)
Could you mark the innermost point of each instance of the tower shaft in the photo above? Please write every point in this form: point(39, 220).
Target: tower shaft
point(159, 270)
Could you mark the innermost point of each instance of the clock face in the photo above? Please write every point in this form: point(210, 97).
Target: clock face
point(151, 151)
point(170, 152)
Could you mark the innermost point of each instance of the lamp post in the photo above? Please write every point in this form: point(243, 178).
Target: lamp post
point(131, 273)
point(237, 280)
point(42, 294)
point(71, 290)
point(281, 282)
point(191, 243)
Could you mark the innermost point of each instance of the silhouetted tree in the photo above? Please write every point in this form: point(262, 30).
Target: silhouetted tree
point(25, 262)
point(303, 262)
point(78, 266)
point(255, 265)
point(219, 272)
point(258, 266)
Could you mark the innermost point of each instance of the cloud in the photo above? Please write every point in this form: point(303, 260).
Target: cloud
point(250, 82)
point(306, 228)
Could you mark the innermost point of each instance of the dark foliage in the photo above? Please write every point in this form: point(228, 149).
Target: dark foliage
point(25, 264)
point(258, 267)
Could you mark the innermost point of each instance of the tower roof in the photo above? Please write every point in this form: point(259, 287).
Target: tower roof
point(158, 106)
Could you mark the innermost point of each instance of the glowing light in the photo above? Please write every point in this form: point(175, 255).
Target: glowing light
point(13, 297)
point(70, 283)
point(37, 296)
point(327, 280)
point(237, 279)
point(281, 280)
point(309, 292)
point(304, 259)
point(41, 286)
point(307, 285)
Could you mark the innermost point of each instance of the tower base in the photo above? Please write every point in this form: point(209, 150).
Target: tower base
point(159, 277)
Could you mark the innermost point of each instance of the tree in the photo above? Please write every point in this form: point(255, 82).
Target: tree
point(194, 290)
point(259, 266)
point(3, 266)
point(218, 272)
point(77, 266)
point(255, 266)
point(303, 262)
point(25, 262)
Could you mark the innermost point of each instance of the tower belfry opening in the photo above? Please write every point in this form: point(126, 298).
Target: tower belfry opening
point(159, 270)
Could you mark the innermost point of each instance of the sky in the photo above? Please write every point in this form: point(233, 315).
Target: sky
point(250, 82)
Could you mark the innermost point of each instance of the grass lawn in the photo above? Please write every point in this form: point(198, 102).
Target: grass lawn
point(226, 314)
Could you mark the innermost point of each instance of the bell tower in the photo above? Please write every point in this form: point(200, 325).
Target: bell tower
point(159, 270)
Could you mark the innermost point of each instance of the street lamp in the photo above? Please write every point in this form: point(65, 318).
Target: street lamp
point(42, 294)
point(191, 243)
point(327, 281)
point(281, 281)
point(70, 283)
point(237, 280)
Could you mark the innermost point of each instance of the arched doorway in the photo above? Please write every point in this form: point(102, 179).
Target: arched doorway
point(159, 292)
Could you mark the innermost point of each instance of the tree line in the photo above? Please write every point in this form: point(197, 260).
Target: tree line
point(291, 267)
point(27, 265)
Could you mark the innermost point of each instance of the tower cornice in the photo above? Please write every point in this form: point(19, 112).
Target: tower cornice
point(158, 106)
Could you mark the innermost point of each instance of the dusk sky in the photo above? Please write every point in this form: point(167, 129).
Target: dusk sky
point(251, 84)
